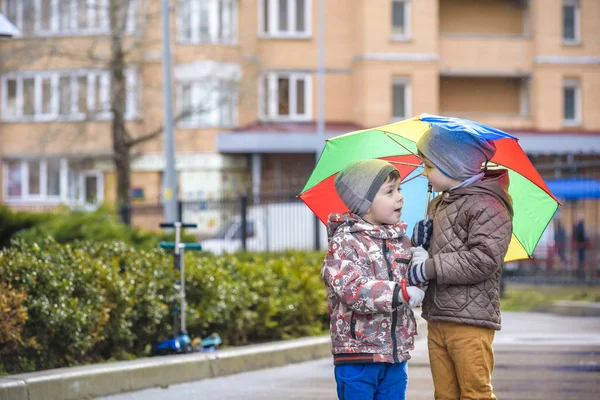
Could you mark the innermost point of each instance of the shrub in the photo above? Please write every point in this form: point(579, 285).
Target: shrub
point(89, 301)
point(256, 297)
point(67, 226)
point(13, 222)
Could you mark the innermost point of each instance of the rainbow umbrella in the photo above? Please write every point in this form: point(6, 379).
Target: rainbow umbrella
point(534, 204)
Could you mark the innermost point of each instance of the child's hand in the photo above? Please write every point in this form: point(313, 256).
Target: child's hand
point(421, 233)
point(419, 255)
point(416, 271)
point(415, 295)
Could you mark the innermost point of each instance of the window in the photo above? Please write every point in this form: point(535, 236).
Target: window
point(400, 19)
point(207, 103)
point(571, 102)
point(285, 96)
point(571, 21)
point(64, 95)
point(33, 179)
point(207, 21)
point(401, 99)
point(285, 18)
point(52, 180)
point(65, 17)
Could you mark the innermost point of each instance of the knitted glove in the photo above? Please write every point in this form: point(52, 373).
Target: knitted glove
point(422, 233)
point(416, 271)
point(416, 296)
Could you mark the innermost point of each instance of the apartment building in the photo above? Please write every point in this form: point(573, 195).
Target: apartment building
point(246, 71)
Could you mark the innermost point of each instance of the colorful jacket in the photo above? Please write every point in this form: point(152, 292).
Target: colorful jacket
point(472, 227)
point(362, 273)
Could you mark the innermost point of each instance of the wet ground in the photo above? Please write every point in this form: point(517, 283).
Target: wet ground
point(538, 356)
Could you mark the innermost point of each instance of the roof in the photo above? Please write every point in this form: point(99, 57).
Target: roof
point(291, 137)
point(301, 137)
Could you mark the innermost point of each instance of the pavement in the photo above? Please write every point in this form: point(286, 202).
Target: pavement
point(172, 371)
point(538, 356)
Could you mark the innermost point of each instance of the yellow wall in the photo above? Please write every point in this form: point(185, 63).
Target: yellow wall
point(375, 23)
point(547, 29)
point(362, 59)
point(547, 95)
point(479, 95)
point(375, 88)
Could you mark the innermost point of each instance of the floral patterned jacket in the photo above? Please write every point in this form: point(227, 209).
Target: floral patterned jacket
point(362, 273)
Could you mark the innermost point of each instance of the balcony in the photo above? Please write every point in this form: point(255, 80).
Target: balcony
point(485, 38)
point(499, 102)
point(485, 55)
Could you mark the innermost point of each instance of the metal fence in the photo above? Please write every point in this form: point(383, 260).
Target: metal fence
point(270, 223)
point(568, 251)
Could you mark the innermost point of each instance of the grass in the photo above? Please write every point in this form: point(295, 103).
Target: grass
point(521, 297)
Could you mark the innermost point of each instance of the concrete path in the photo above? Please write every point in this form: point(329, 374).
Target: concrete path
point(538, 356)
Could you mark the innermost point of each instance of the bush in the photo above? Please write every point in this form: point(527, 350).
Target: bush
point(13, 315)
point(86, 303)
point(256, 297)
point(67, 226)
point(90, 302)
point(13, 222)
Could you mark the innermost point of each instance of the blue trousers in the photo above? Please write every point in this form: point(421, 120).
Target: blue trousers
point(377, 381)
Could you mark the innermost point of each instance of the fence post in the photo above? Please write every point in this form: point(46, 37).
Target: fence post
point(317, 243)
point(243, 214)
point(179, 210)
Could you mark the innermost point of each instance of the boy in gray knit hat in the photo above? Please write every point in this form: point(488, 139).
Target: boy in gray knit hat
point(371, 319)
point(470, 228)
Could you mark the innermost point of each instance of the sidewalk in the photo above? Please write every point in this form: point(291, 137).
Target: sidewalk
point(125, 376)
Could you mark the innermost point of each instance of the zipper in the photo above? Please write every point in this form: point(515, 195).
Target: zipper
point(395, 312)
point(353, 325)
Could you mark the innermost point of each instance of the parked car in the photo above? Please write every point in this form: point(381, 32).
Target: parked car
point(270, 227)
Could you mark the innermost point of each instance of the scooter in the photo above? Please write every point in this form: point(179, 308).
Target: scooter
point(180, 342)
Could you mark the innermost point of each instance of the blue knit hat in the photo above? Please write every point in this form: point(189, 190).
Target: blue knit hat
point(457, 154)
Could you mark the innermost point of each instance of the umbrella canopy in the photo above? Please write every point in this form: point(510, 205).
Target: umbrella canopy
point(534, 204)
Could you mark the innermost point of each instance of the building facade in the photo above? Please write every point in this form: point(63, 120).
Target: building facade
point(245, 86)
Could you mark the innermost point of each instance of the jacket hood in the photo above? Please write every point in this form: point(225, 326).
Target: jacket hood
point(494, 183)
point(352, 223)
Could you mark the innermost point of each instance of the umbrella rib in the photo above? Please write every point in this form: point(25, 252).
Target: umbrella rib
point(406, 148)
point(414, 177)
point(403, 163)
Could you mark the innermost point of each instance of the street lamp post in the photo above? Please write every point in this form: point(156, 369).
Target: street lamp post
point(320, 80)
point(320, 142)
point(170, 180)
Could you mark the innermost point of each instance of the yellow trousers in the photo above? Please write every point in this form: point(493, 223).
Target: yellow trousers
point(462, 360)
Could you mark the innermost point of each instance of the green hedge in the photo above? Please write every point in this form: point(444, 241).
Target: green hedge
point(89, 302)
point(65, 226)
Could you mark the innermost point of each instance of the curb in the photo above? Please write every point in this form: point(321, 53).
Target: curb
point(573, 308)
point(97, 380)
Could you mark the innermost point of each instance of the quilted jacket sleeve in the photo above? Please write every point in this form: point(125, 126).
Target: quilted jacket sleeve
point(489, 230)
point(349, 278)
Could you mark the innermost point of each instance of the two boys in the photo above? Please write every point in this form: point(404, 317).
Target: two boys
point(468, 237)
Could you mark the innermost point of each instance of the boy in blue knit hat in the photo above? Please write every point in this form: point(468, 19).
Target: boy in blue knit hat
point(467, 237)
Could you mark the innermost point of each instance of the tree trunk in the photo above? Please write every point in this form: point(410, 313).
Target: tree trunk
point(118, 88)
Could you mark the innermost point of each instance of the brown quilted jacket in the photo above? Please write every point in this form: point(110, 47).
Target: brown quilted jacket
point(472, 227)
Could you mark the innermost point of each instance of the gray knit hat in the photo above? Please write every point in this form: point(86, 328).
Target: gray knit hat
point(359, 182)
point(458, 154)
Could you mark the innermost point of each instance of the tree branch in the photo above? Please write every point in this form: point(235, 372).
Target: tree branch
point(157, 132)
